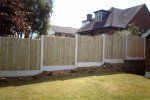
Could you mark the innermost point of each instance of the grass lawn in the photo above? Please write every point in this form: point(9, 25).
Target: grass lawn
point(117, 86)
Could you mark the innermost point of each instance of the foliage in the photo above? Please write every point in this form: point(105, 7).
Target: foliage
point(40, 14)
point(24, 16)
point(133, 29)
point(13, 18)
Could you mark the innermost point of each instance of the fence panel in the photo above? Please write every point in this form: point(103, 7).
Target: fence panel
point(25, 54)
point(19, 54)
point(90, 49)
point(135, 46)
point(59, 51)
point(114, 46)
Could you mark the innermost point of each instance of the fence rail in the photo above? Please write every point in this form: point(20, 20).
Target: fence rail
point(21, 57)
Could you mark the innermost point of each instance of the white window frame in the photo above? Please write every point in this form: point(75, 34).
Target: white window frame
point(98, 16)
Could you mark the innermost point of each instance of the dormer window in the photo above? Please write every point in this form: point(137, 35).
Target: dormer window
point(101, 15)
point(98, 16)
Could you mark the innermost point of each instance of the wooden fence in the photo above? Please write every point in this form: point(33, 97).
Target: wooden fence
point(135, 47)
point(114, 47)
point(90, 49)
point(19, 54)
point(59, 51)
point(29, 57)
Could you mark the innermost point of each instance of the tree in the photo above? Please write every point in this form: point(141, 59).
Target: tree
point(24, 16)
point(13, 18)
point(134, 29)
point(40, 12)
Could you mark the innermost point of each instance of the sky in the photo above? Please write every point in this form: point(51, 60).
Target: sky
point(70, 13)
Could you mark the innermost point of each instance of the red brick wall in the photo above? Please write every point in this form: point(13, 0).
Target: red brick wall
point(134, 66)
point(64, 34)
point(148, 54)
point(142, 19)
point(109, 31)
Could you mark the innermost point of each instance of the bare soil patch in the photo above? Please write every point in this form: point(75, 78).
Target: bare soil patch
point(105, 68)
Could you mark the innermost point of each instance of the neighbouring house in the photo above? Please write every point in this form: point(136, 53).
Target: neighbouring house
point(62, 31)
point(147, 54)
point(114, 19)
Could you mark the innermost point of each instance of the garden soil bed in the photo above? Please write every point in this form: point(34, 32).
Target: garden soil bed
point(105, 68)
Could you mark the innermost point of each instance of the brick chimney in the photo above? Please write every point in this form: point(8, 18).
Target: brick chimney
point(89, 17)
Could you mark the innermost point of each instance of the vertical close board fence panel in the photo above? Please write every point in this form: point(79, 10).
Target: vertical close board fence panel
point(22, 57)
point(35, 54)
point(135, 48)
point(114, 48)
point(58, 53)
point(19, 57)
point(90, 51)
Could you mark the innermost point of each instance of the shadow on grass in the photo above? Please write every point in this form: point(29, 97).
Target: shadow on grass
point(33, 80)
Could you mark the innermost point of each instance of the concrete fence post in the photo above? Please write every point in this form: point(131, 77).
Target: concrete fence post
point(76, 50)
point(126, 46)
point(42, 47)
point(103, 47)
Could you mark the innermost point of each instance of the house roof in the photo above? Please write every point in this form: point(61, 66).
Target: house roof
point(66, 30)
point(116, 18)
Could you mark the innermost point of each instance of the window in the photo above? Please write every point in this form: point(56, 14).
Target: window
point(98, 16)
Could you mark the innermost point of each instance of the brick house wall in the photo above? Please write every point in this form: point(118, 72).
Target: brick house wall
point(134, 66)
point(142, 19)
point(64, 35)
point(147, 62)
point(109, 31)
